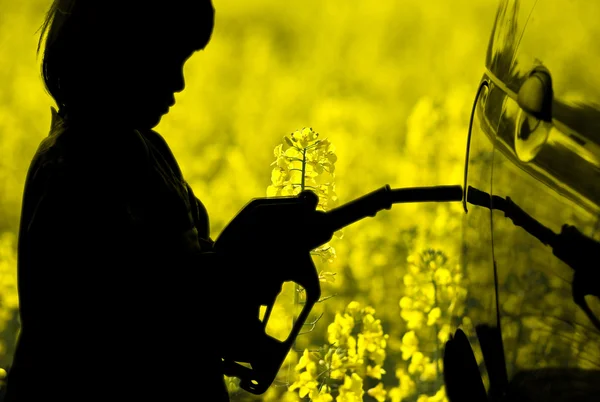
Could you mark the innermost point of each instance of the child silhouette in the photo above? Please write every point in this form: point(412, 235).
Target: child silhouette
point(115, 268)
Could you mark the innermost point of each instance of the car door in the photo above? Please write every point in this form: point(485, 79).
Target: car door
point(533, 166)
point(547, 170)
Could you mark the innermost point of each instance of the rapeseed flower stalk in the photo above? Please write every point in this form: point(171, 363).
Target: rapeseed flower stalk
point(351, 362)
point(435, 295)
point(305, 162)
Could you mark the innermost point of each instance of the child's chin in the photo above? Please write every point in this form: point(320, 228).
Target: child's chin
point(150, 121)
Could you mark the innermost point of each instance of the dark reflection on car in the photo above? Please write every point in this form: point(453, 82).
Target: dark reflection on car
point(532, 206)
point(574, 248)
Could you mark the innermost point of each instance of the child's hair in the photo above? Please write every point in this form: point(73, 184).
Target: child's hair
point(81, 33)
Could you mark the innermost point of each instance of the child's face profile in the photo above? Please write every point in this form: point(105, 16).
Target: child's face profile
point(146, 79)
point(148, 84)
point(125, 64)
point(133, 70)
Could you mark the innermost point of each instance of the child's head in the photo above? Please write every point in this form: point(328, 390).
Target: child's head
point(124, 58)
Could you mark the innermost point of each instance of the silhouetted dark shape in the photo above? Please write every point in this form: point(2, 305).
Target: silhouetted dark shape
point(490, 341)
point(255, 226)
point(461, 372)
point(116, 277)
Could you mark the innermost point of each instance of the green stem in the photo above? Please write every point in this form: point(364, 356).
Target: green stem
point(296, 288)
point(303, 169)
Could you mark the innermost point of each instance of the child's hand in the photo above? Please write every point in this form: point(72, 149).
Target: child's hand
point(206, 244)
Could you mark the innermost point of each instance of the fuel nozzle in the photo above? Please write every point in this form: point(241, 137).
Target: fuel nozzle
point(258, 223)
point(370, 204)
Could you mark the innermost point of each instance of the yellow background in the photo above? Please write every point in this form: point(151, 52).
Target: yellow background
point(389, 83)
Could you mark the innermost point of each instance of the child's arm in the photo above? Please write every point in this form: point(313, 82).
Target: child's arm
point(99, 297)
point(82, 260)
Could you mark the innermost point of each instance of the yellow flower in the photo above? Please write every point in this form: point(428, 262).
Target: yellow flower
point(395, 395)
point(361, 345)
point(369, 310)
point(370, 324)
point(305, 384)
point(444, 333)
point(304, 137)
point(340, 329)
point(351, 350)
point(378, 356)
point(375, 371)
point(406, 303)
point(303, 360)
point(311, 369)
point(429, 292)
point(414, 319)
point(416, 361)
point(306, 381)
point(430, 371)
point(439, 396)
point(353, 308)
point(273, 191)
point(322, 397)
point(378, 392)
point(307, 388)
point(433, 316)
point(410, 344)
point(278, 176)
point(405, 389)
point(338, 371)
point(442, 276)
point(303, 161)
point(352, 389)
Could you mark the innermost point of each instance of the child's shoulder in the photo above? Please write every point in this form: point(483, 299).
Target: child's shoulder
point(158, 143)
point(86, 152)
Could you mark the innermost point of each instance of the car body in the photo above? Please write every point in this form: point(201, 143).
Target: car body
point(532, 204)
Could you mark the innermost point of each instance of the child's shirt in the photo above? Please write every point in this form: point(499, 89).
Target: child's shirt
point(108, 287)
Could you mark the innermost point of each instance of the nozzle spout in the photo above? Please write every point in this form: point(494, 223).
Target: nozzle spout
point(384, 198)
point(360, 208)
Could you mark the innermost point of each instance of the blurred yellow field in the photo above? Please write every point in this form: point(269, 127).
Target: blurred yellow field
point(390, 84)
